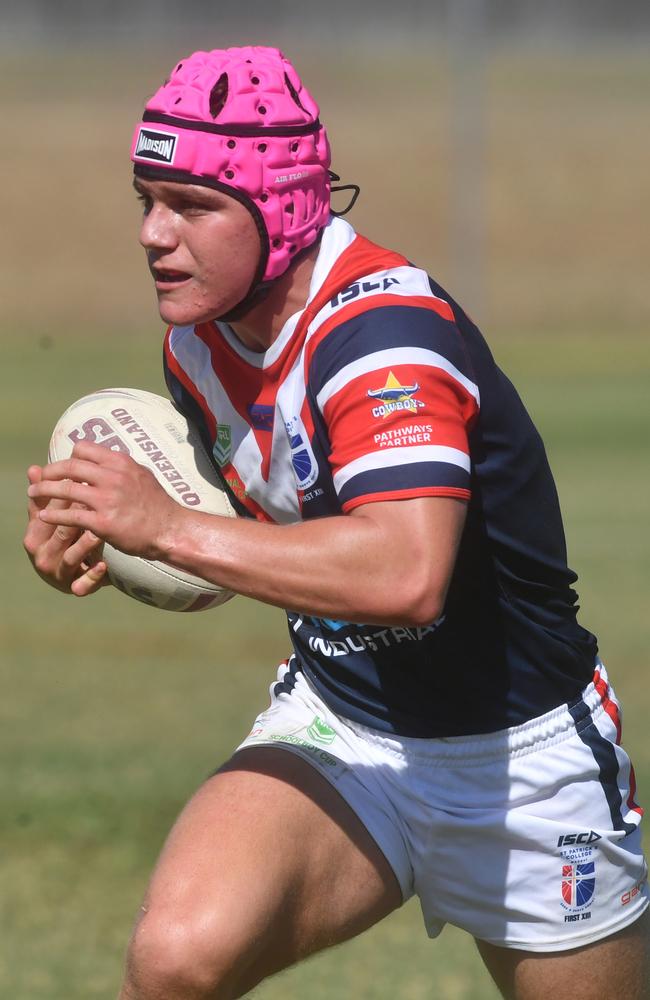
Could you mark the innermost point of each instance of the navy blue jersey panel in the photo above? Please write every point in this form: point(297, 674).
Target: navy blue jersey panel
point(321, 499)
point(509, 646)
point(417, 475)
point(383, 328)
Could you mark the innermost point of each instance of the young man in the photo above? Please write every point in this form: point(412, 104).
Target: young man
point(444, 726)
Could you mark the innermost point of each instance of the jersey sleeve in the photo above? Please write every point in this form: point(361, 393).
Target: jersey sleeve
point(395, 392)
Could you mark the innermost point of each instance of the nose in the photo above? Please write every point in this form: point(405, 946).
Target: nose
point(157, 230)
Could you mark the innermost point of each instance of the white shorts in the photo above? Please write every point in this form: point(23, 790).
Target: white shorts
point(526, 838)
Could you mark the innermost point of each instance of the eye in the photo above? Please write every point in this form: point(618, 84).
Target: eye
point(192, 205)
point(145, 201)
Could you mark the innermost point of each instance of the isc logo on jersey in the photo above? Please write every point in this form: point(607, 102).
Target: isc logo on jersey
point(395, 396)
point(303, 460)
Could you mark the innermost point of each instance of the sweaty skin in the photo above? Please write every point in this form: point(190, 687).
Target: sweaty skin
point(67, 558)
point(119, 501)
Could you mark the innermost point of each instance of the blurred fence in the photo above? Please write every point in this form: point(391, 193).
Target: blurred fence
point(66, 21)
point(498, 144)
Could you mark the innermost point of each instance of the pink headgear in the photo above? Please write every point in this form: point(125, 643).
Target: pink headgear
point(239, 120)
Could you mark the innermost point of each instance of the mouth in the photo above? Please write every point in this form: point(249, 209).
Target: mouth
point(166, 280)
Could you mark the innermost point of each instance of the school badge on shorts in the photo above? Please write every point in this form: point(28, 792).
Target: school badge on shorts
point(578, 875)
point(578, 884)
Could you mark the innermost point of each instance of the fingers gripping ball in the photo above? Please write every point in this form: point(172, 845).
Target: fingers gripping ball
point(152, 431)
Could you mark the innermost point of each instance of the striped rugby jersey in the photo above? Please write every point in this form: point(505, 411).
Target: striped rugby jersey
point(381, 388)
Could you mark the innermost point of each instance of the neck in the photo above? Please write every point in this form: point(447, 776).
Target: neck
point(259, 327)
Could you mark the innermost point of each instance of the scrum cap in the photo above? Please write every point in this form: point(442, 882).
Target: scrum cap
point(241, 121)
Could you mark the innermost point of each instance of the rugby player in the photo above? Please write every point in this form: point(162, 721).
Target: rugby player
point(444, 726)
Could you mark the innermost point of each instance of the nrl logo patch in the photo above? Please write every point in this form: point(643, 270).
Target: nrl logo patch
point(223, 445)
point(155, 146)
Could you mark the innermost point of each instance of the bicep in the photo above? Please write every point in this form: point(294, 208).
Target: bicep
point(418, 540)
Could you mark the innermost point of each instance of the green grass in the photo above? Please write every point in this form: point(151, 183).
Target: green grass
point(114, 712)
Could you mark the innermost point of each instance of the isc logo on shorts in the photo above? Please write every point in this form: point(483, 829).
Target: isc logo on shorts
point(568, 839)
point(157, 147)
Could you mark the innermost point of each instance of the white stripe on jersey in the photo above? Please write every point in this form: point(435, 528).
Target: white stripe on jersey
point(408, 281)
point(400, 456)
point(338, 235)
point(194, 357)
point(388, 359)
point(277, 496)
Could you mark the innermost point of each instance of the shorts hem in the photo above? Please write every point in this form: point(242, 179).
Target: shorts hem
point(550, 947)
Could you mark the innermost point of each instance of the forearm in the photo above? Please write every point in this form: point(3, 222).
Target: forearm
point(326, 568)
point(346, 567)
point(387, 562)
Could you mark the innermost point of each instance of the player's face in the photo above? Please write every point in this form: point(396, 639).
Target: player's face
point(202, 246)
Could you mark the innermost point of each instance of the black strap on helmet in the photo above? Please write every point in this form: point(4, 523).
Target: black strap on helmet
point(344, 187)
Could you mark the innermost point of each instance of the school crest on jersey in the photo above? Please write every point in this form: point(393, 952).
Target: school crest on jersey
point(303, 460)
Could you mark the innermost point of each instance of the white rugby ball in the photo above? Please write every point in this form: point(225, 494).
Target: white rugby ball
point(151, 430)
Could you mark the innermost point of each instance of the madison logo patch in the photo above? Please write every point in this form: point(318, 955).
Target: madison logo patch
point(155, 146)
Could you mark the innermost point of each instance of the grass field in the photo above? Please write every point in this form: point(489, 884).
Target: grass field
point(112, 712)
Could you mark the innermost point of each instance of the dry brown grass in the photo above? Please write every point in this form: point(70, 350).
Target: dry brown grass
point(566, 245)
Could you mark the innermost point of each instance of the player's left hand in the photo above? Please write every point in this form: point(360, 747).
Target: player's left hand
point(121, 502)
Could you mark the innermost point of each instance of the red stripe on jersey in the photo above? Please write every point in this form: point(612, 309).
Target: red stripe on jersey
point(362, 257)
point(246, 385)
point(187, 383)
point(244, 381)
point(410, 494)
point(229, 472)
point(442, 411)
point(237, 485)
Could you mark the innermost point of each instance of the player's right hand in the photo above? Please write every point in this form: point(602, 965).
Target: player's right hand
point(68, 559)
